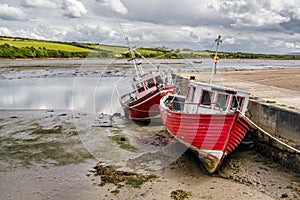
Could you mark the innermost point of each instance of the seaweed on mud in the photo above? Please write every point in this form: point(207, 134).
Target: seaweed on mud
point(180, 195)
point(116, 131)
point(137, 181)
point(26, 153)
point(55, 130)
point(110, 175)
point(39, 147)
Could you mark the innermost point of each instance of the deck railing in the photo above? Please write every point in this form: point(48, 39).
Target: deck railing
point(176, 105)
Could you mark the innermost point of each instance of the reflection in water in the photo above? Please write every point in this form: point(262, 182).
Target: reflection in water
point(89, 94)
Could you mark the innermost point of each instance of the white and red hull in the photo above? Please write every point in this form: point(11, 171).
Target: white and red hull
point(146, 107)
point(212, 136)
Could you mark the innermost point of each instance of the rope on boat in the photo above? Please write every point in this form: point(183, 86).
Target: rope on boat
point(271, 136)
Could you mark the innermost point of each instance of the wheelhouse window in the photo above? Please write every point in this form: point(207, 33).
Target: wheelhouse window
point(206, 98)
point(237, 102)
point(222, 101)
point(149, 83)
point(158, 80)
point(190, 94)
point(140, 88)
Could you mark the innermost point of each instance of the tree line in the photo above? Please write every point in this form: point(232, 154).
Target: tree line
point(240, 55)
point(158, 52)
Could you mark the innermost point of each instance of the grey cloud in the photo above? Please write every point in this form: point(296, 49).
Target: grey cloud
point(73, 8)
point(11, 13)
point(90, 33)
point(114, 5)
point(5, 31)
point(39, 3)
point(292, 25)
point(174, 12)
point(254, 13)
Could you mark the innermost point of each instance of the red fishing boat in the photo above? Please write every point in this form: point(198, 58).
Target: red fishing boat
point(209, 120)
point(142, 102)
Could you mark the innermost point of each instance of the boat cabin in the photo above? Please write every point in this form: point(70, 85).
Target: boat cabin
point(212, 99)
point(147, 83)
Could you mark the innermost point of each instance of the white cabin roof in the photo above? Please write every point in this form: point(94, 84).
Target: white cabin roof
point(210, 98)
point(219, 88)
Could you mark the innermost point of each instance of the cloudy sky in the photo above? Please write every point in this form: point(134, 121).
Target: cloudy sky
point(258, 26)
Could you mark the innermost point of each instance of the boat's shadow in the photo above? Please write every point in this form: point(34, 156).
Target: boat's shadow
point(148, 122)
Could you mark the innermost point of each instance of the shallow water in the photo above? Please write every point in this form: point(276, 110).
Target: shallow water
point(90, 94)
point(223, 63)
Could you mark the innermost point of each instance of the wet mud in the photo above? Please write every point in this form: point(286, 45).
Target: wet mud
point(45, 147)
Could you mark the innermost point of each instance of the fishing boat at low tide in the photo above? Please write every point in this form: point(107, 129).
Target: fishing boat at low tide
point(209, 119)
point(141, 104)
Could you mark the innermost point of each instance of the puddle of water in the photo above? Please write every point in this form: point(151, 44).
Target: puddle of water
point(90, 94)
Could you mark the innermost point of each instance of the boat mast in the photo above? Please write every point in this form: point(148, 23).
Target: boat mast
point(139, 71)
point(216, 58)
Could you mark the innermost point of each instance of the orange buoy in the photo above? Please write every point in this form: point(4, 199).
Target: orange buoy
point(217, 59)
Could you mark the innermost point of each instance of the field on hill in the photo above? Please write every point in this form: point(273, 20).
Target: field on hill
point(19, 43)
point(29, 48)
point(15, 47)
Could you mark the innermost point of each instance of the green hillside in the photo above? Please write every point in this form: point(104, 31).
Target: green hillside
point(11, 47)
point(29, 48)
point(15, 47)
point(19, 43)
point(114, 49)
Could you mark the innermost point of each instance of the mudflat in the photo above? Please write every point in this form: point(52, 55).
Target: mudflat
point(45, 156)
